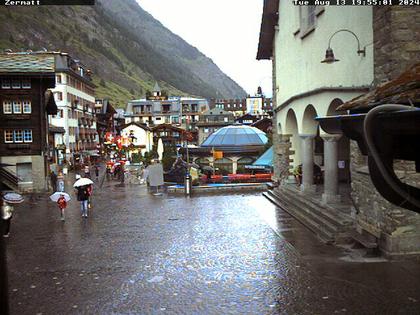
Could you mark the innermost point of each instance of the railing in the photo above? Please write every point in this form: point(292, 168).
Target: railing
point(9, 177)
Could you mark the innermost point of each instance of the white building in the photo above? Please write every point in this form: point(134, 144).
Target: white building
point(140, 136)
point(305, 88)
point(74, 95)
point(159, 109)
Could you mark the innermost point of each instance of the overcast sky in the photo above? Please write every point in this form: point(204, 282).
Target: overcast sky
point(227, 31)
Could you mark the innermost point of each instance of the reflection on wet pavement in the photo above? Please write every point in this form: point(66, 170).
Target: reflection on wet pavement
point(232, 254)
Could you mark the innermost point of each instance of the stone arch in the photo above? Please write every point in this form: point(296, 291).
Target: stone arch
point(309, 124)
point(333, 106)
point(291, 129)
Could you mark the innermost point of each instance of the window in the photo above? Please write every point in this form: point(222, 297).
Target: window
point(17, 107)
point(7, 107)
point(58, 78)
point(27, 135)
point(15, 84)
point(8, 136)
point(307, 19)
point(27, 107)
point(26, 83)
point(5, 84)
point(58, 96)
point(18, 136)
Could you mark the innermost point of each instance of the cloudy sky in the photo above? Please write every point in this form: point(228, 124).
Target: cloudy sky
point(227, 31)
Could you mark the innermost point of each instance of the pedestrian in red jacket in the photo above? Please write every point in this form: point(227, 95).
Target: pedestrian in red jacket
point(62, 204)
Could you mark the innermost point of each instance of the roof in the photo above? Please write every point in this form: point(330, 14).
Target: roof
point(268, 23)
point(27, 63)
point(156, 88)
point(236, 136)
point(143, 126)
point(54, 129)
point(266, 159)
point(167, 126)
point(405, 89)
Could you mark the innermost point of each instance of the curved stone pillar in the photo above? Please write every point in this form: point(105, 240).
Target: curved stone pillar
point(331, 193)
point(308, 163)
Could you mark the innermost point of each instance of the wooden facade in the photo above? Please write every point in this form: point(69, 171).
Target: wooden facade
point(23, 114)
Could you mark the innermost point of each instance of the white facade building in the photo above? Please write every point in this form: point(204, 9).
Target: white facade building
point(74, 96)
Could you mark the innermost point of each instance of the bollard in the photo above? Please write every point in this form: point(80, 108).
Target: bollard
point(187, 184)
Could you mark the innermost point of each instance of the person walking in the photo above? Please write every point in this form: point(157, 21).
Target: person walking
point(83, 197)
point(87, 171)
point(7, 213)
point(62, 204)
point(53, 178)
point(97, 172)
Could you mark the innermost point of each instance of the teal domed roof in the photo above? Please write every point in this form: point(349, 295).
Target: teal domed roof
point(236, 135)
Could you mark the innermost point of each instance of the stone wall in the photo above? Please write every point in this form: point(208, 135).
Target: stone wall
point(282, 152)
point(396, 40)
point(38, 183)
point(396, 48)
point(398, 229)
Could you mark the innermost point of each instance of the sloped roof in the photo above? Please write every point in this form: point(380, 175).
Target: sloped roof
point(156, 88)
point(27, 63)
point(405, 89)
point(266, 159)
point(166, 127)
point(268, 22)
point(143, 126)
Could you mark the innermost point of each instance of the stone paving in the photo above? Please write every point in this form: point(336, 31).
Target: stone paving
point(231, 254)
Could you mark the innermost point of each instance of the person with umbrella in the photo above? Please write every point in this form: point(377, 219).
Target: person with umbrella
point(81, 186)
point(61, 198)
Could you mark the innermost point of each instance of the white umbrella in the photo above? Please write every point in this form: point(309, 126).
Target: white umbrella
point(160, 149)
point(82, 182)
point(13, 197)
point(54, 197)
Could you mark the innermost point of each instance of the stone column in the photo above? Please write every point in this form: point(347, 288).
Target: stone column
point(331, 194)
point(308, 163)
point(234, 164)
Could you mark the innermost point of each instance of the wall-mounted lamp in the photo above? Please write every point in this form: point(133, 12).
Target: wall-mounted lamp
point(329, 54)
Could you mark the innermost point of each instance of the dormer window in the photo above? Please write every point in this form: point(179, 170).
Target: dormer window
point(5, 84)
point(16, 84)
point(26, 84)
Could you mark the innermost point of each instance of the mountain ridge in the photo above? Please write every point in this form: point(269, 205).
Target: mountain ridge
point(127, 49)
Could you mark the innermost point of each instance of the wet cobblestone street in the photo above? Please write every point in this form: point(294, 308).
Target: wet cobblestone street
point(233, 254)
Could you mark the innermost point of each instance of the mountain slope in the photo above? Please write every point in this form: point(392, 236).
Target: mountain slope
point(125, 46)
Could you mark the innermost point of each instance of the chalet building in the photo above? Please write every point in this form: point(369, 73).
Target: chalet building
point(247, 119)
point(157, 108)
point(26, 104)
point(313, 75)
point(74, 94)
point(140, 138)
point(257, 105)
point(212, 120)
point(265, 124)
point(105, 119)
point(171, 135)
